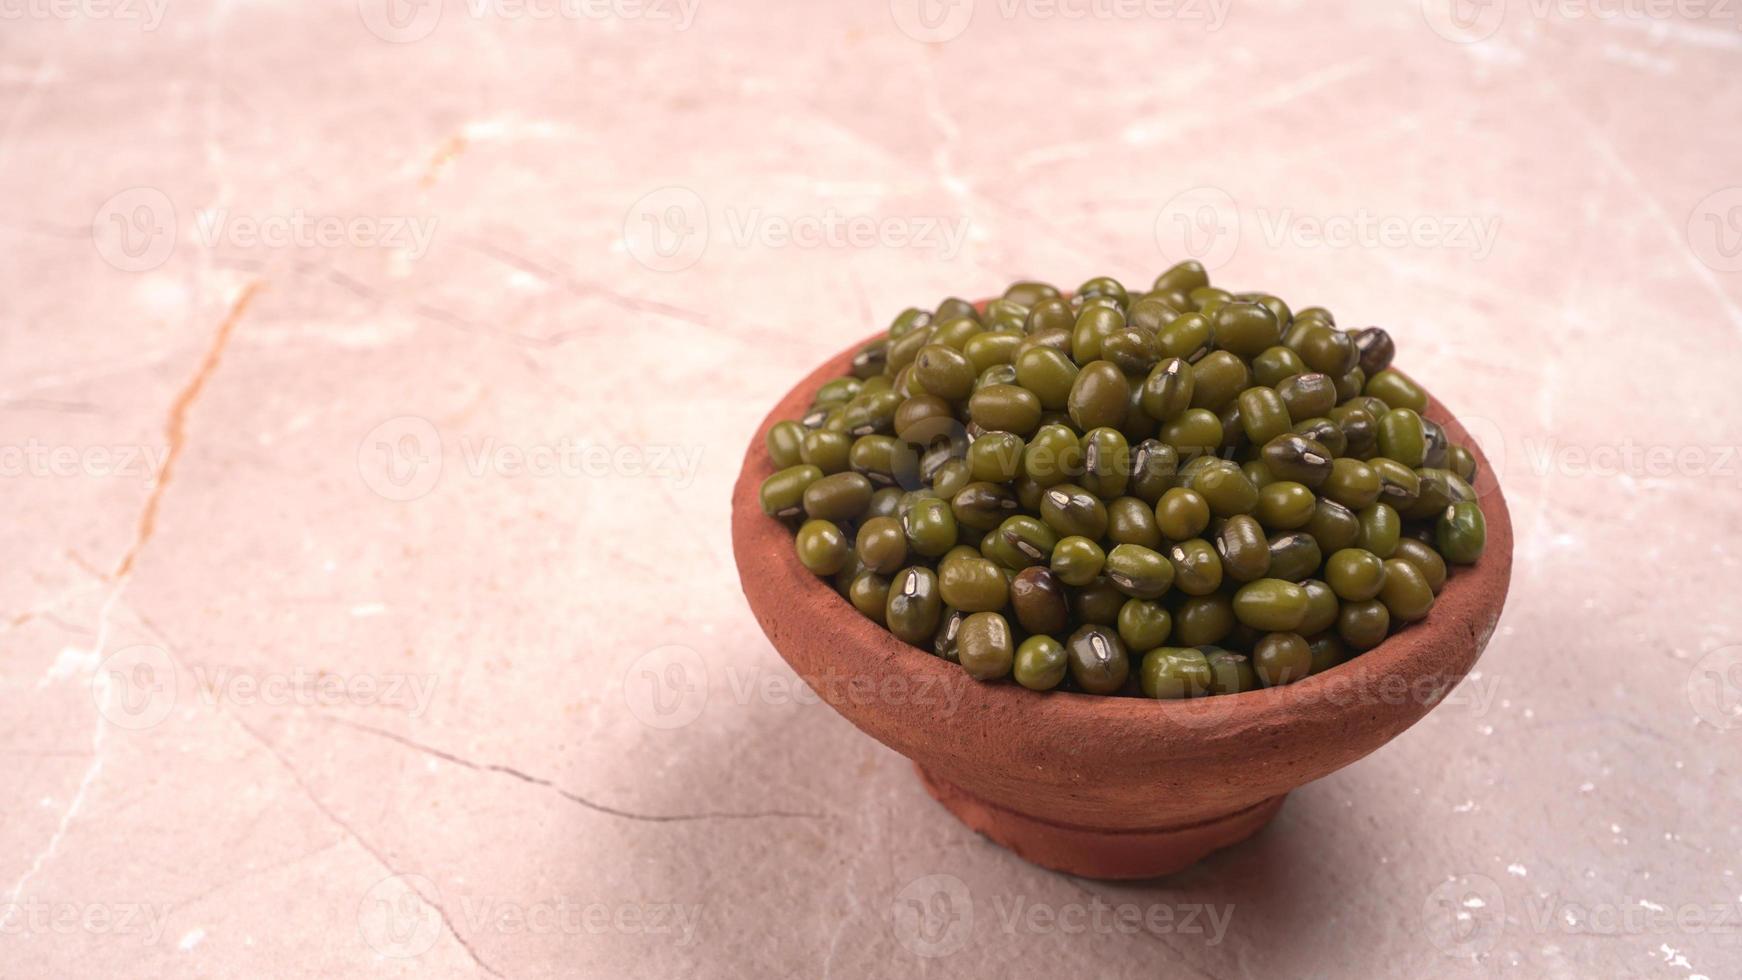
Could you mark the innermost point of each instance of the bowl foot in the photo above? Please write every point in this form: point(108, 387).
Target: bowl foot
point(1092, 853)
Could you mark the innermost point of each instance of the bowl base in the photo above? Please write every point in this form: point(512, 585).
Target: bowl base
point(1106, 854)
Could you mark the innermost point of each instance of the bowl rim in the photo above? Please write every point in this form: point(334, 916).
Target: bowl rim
point(1471, 600)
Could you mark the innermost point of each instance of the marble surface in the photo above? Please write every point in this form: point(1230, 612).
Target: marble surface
point(373, 379)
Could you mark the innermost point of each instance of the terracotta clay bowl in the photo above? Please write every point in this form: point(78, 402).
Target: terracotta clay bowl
point(1105, 787)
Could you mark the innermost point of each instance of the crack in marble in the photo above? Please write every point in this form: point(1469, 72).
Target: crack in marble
point(175, 428)
point(341, 823)
point(570, 795)
point(50, 382)
point(554, 275)
point(446, 154)
point(105, 687)
point(1605, 148)
point(351, 833)
point(176, 432)
point(47, 610)
point(228, 883)
point(849, 889)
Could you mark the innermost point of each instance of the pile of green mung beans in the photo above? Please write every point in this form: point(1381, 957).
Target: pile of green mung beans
point(1209, 486)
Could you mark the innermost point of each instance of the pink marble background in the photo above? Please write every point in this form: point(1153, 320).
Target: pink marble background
point(372, 380)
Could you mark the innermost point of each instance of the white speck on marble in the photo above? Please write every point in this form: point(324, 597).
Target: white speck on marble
point(70, 661)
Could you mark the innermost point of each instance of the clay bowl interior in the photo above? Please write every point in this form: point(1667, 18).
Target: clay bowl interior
point(1109, 787)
